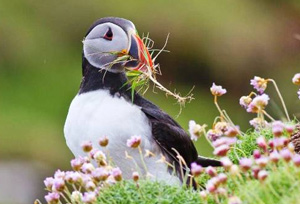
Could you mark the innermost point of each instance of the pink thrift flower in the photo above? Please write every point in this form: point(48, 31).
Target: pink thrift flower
point(58, 185)
point(100, 157)
point(262, 161)
point(224, 141)
point(262, 175)
point(134, 141)
point(221, 150)
point(49, 182)
point(117, 174)
point(90, 186)
point(258, 103)
point(222, 178)
point(286, 154)
point(203, 194)
point(77, 163)
point(52, 197)
point(196, 169)
point(296, 79)
point(277, 128)
point(73, 177)
point(87, 168)
point(89, 197)
point(217, 90)
point(59, 174)
point(274, 157)
point(258, 123)
point(290, 128)
point(232, 131)
point(245, 164)
point(211, 171)
point(261, 142)
point(226, 162)
point(100, 174)
point(213, 135)
point(255, 171)
point(211, 188)
point(298, 92)
point(258, 83)
point(245, 101)
point(256, 154)
point(296, 160)
point(195, 130)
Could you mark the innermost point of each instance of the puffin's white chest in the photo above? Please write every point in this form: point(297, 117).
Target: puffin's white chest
point(96, 114)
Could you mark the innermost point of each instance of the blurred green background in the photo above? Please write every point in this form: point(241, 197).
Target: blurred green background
point(227, 42)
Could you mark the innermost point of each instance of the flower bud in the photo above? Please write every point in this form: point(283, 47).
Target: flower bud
point(134, 141)
point(100, 157)
point(86, 146)
point(256, 154)
point(196, 169)
point(234, 170)
point(245, 164)
point(290, 128)
point(262, 161)
point(103, 142)
point(234, 200)
point(117, 174)
point(135, 176)
point(274, 157)
point(261, 142)
point(262, 175)
point(222, 178)
point(90, 186)
point(211, 171)
point(296, 160)
point(255, 171)
point(221, 150)
point(203, 194)
point(286, 155)
point(277, 128)
point(226, 163)
point(210, 187)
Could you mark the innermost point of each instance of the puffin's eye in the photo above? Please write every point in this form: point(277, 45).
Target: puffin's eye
point(108, 35)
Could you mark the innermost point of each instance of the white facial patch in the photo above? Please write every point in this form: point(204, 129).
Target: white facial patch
point(101, 52)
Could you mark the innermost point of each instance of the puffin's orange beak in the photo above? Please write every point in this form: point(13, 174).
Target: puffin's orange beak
point(140, 53)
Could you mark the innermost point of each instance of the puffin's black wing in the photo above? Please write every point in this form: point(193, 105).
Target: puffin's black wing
point(169, 135)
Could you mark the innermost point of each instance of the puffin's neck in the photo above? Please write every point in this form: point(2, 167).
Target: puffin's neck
point(95, 79)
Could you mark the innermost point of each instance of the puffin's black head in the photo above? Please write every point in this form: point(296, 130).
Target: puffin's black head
point(110, 38)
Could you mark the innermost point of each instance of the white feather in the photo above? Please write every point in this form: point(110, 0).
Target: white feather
point(96, 114)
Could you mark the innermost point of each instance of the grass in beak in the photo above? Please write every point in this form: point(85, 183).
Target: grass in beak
point(140, 79)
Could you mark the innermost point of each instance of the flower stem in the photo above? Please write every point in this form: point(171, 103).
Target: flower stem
point(266, 114)
point(218, 107)
point(281, 99)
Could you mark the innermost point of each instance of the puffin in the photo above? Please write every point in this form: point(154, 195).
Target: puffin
point(105, 106)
